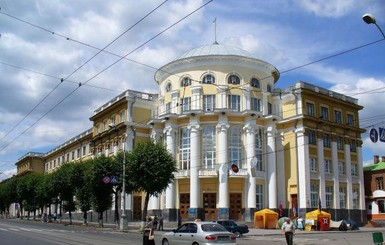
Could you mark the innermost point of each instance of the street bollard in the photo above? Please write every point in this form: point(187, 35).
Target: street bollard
point(377, 238)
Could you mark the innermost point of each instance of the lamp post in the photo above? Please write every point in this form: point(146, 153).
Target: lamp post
point(123, 196)
point(369, 19)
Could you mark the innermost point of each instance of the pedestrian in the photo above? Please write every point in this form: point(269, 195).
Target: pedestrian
point(155, 222)
point(54, 216)
point(288, 229)
point(179, 219)
point(160, 228)
point(300, 223)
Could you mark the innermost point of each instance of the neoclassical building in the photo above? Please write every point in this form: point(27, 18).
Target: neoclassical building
point(241, 143)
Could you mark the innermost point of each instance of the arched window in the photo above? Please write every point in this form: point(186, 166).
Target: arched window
point(233, 79)
point(208, 79)
point(268, 88)
point(168, 87)
point(186, 81)
point(254, 83)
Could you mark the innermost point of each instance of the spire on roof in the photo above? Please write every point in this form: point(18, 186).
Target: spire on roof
point(215, 31)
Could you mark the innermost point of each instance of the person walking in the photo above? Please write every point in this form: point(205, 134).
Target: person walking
point(300, 225)
point(160, 228)
point(288, 229)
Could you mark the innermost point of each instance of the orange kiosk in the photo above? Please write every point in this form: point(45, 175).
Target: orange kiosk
point(265, 219)
point(317, 219)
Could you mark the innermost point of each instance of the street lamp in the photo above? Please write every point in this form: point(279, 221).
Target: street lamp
point(123, 196)
point(369, 19)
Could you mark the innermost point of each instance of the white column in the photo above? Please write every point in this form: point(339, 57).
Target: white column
point(336, 189)
point(281, 178)
point(303, 169)
point(222, 126)
point(349, 186)
point(222, 96)
point(251, 161)
point(246, 98)
point(321, 169)
point(194, 162)
point(361, 179)
point(170, 134)
point(264, 103)
point(196, 97)
point(271, 167)
point(174, 101)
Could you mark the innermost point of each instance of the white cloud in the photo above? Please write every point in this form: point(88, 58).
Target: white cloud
point(328, 8)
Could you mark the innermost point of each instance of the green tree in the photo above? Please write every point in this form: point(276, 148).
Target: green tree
point(101, 192)
point(83, 187)
point(150, 168)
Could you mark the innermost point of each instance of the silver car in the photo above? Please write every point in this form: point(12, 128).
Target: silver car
point(199, 233)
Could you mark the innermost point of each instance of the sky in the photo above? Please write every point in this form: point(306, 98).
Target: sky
point(61, 60)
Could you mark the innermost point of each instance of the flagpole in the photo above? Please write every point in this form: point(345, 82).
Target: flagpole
point(215, 30)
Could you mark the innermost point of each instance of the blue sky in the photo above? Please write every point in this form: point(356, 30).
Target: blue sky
point(288, 34)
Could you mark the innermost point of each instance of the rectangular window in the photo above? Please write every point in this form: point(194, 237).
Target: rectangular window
point(122, 116)
point(310, 109)
point(168, 107)
point(258, 150)
point(342, 197)
point(341, 168)
point(184, 149)
point(354, 169)
point(314, 196)
point(255, 104)
point(340, 143)
point(105, 126)
point(381, 206)
point(328, 165)
point(312, 137)
point(350, 120)
point(338, 117)
point(54, 163)
point(78, 153)
point(356, 198)
point(185, 104)
point(234, 102)
point(209, 102)
point(259, 199)
point(313, 165)
point(353, 146)
point(269, 108)
point(327, 140)
point(68, 157)
point(84, 150)
point(235, 145)
point(324, 113)
point(89, 148)
point(113, 120)
point(62, 159)
point(329, 196)
point(209, 146)
point(72, 155)
point(380, 183)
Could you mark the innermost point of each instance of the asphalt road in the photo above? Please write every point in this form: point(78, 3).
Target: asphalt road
point(24, 232)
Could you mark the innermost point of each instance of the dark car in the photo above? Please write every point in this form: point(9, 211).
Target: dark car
point(233, 227)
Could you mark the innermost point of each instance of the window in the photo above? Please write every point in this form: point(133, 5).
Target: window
point(381, 206)
point(350, 120)
point(78, 153)
point(255, 104)
point(269, 108)
point(313, 165)
point(324, 113)
point(234, 102)
point(208, 79)
point(98, 129)
point(268, 88)
point(380, 183)
point(89, 148)
point(62, 159)
point(337, 116)
point(208, 146)
point(184, 149)
point(122, 116)
point(186, 81)
point(342, 197)
point(314, 196)
point(168, 107)
point(353, 146)
point(328, 165)
point(329, 196)
point(113, 119)
point(209, 102)
point(84, 150)
point(340, 143)
point(258, 150)
point(235, 145)
point(233, 79)
point(72, 155)
point(168, 87)
point(356, 198)
point(185, 104)
point(259, 199)
point(254, 83)
point(312, 137)
point(327, 140)
point(341, 168)
point(54, 163)
point(68, 157)
point(105, 125)
point(310, 109)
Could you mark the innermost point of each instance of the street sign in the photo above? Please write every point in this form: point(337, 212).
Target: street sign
point(106, 179)
point(114, 179)
point(382, 134)
point(373, 134)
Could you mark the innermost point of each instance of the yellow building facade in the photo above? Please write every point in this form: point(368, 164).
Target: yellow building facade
point(241, 143)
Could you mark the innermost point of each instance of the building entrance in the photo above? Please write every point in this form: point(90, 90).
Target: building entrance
point(184, 205)
point(236, 206)
point(137, 208)
point(209, 206)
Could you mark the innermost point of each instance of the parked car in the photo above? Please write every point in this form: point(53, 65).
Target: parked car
point(237, 229)
point(202, 233)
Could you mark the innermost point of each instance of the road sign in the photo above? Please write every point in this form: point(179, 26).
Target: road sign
point(373, 134)
point(106, 179)
point(382, 134)
point(114, 179)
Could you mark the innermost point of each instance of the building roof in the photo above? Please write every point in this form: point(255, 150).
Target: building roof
point(375, 167)
point(215, 49)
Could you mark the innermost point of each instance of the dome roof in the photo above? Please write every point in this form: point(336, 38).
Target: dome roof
point(215, 49)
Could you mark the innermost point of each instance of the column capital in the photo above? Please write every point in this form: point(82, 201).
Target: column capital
point(169, 129)
point(249, 128)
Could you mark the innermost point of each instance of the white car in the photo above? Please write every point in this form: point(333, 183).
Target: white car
point(199, 233)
